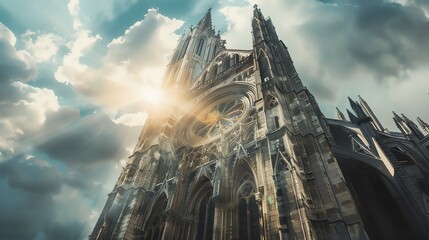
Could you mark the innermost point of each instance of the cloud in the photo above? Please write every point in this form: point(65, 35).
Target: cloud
point(132, 61)
point(30, 189)
point(347, 48)
point(88, 141)
point(19, 101)
point(132, 119)
point(22, 173)
point(24, 213)
point(43, 47)
point(49, 206)
point(31, 103)
point(14, 64)
point(78, 153)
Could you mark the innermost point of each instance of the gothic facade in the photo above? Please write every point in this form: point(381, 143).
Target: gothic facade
point(242, 151)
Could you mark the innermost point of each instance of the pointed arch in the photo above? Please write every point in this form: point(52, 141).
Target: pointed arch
point(155, 224)
point(214, 71)
point(246, 209)
point(236, 58)
point(202, 209)
point(226, 63)
point(201, 46)
point(264, 65)
point(271, 101)
point(203, 77)
point(184, 48)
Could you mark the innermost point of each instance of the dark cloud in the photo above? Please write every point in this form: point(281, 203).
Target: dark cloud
point(383, 38)
point(89, 140)
point(14, 65)
point(69, 231)
point(27, 197)
point(27, 174)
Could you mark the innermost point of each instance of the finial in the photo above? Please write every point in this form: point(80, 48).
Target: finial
point(340, 115)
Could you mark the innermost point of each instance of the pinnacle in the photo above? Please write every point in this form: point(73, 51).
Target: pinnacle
point(206, 21)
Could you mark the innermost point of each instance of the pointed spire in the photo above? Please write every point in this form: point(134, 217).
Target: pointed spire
point(206, 21)
point(371, 114)
point(413, 127)
point(357, 108)
point(423, 124)
point(352, 117)
point(257, 14)
point(400, 123)
point(340, 115)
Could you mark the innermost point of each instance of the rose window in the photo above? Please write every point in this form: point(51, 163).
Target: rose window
point(219, 117)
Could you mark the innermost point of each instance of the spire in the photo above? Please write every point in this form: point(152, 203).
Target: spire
point(206, 21)
point(423, 124)
point(370, 113)
point(400, 123)
point(413, 127)
point(357, 108)
point(340, 115)
point(352, 117)
point(268, 47)
point(257, 14)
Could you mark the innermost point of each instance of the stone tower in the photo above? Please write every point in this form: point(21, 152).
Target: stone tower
point(241, 151)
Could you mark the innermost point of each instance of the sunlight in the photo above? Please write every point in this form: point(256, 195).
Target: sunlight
point(153, 95)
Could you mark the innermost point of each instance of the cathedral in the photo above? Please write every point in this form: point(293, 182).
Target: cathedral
point(241, 150)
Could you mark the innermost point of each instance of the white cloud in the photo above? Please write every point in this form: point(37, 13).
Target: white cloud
point(14, 64)
point(71, 69)
point(7, 34)
point(43, 47)
point(37, 100)
point(73, 7)
point(133, 61)
point(132, 119)
point(26, 115)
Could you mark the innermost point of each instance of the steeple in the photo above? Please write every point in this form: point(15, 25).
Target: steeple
point(271, 53)
point(370, 113)
point(340, 115)
point(400, 123)
point(423, 124)
point(413, 127)
point(357, 109)
point(352, 117)
point(257, 14)
point(206, 21)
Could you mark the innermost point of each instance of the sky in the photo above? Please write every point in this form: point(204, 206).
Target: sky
point(75, 76)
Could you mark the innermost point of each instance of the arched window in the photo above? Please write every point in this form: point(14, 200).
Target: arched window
point(214, 70)
point(214, 51)
point(200, 47)
point(226, 63)
point(202, 208)
point(184, 48)
point(203, 77)
point(246, 208)
point(264, 66)
point(236, 59)
point(155, 224)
